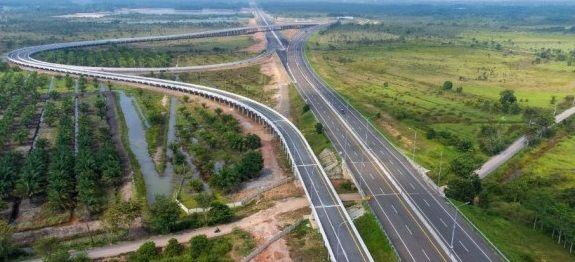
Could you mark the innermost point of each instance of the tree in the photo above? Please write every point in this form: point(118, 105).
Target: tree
point(164, 214)
point(145, 253)
point(68, 82)
point(508, 101)
point(253, 141)
point(219, 213)
point(198, 245)
point(204, 201)
point(306, 108)
point(465, 145)
point(51, 250)
point(9, 168)
point(218, 111)
point(120, 214)
point(447, 85)
point(32, 178)
point(250, 165)
point(101, 105)
point(318, 128)
point(464, 189)
point(491, 140)
point(464, 165)
point(173, 248)
point(7, 248)
point(228, 178)
point(21, 135)
point(50, 113)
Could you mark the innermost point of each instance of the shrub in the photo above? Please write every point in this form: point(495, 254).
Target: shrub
point(447, 85)
point(198, 245)
point(219, 213)
point(173, 248)
point(146, 252)
point(164, 214)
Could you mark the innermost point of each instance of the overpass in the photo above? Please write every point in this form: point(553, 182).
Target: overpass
point(337, 229)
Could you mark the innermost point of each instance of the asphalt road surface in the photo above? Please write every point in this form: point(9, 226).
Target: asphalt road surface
point(496, 161)
point(421, 225)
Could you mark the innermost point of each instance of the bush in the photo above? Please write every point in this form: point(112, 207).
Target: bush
point(198, 245)
point(146, 252)
point(447, 85)
point(164, 214)
point(253, 141)
point(250, 165)
point(219, 213)
point(173, 248)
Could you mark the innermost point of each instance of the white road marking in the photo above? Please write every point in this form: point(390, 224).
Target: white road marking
point(428, 259)
point(442, 222)
point(464, 247)
point(411, 184)
point(427, 203)
point(394, 210)
point(371, 175)
point(411, 233)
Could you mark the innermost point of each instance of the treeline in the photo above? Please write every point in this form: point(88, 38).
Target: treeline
point(18, 99)
point(544, 55)
point(112, 57)
point(217, 133)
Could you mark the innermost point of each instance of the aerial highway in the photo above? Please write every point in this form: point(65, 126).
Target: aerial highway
point(214, 33)
point(338, 231)
point(418, 220)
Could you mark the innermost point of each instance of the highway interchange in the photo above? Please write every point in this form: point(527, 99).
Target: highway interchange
point(417, 220)
point(339, 233)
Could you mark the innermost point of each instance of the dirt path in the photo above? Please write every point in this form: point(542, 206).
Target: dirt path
point(249, 223)
point(259, 37)
point(279, 84)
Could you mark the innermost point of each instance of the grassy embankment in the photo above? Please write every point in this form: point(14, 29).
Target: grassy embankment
point(374, 237)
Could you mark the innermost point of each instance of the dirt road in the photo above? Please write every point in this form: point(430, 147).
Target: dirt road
point(248, 223)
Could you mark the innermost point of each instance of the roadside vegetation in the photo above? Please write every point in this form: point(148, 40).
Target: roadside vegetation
point(374, 237)
point(459, 93)
point(306, 244)
point(222, 155)
point(245, 81)
point(156, 54)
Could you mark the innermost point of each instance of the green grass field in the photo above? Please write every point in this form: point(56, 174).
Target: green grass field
point(397, 84)
point(517, 241)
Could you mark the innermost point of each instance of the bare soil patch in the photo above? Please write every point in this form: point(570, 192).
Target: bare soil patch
point(259, 37)
point(278, 84)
